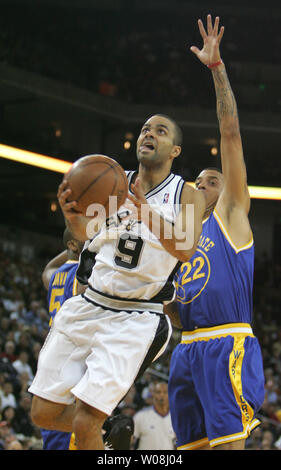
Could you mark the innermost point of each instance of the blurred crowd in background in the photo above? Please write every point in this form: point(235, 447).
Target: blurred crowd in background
point(25, 324)
point(144, 57)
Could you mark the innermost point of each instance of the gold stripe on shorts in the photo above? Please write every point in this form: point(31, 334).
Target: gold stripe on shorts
point(221, 331)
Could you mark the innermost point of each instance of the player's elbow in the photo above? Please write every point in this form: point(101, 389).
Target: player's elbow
point(45, 279)
point(230, 130)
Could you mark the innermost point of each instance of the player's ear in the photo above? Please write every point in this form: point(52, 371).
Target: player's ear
point(71, 245)
point(176, 151)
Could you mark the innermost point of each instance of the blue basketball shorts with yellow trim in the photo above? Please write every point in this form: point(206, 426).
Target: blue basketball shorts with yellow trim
point(57, 440)
point(216, 385)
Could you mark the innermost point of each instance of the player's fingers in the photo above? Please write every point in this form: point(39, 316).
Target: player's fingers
point(70, 205)
point(70, 208)
point(135, 188)
point(134, 200)
point(209, 24)
point(195, 50)
point(216, 25)
point(62, 197)
point(220, 35)
point(138, 188)
point(202, 29)
point(137, 184)
point(138, 196)
point(62, 186)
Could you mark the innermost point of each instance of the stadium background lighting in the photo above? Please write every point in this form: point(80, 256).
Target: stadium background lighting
point(60, 166)
point(34, 159)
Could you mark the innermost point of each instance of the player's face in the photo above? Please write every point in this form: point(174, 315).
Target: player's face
point(211, 182)
point(155, 144)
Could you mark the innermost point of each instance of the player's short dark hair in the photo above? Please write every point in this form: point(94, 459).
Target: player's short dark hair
point(67, 237)
point(178, 131)
point(214, 168)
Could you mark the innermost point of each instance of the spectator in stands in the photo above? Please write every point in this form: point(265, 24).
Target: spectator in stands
point(14, 445)
point(23, 384)
point(8, 415)
point(4, 432)
point(21, 365)
point(9, 351)
point(267, 441)
point(23, 423)
point(7, 396)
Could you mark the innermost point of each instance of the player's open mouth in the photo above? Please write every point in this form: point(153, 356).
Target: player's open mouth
point(146, 147)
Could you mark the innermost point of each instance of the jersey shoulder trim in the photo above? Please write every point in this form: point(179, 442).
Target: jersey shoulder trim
point(130, 174)
point(227, 236)
point(160, 186)
point(178, 193)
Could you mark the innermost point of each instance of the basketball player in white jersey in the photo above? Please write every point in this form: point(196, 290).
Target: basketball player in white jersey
point(103, 340)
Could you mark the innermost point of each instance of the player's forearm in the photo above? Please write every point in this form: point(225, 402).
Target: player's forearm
point(58, 261)
point(226, 104)
point(176, 239)
point(232, 158)
point(52, 266)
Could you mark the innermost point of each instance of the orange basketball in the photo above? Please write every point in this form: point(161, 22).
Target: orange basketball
point(93, 179)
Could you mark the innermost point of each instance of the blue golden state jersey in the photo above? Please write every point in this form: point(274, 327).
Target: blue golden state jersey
point(63, 285)
point(215, 286)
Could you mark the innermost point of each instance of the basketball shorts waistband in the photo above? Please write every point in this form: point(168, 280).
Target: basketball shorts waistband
point(121, 304)
point(220, 331)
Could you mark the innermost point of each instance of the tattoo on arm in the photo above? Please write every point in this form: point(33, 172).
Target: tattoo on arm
point(229, 123)
point(226, 104)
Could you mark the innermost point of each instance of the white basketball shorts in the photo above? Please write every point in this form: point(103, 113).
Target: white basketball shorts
point(95, 353)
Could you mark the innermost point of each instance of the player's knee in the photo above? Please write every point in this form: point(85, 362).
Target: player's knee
point(37, 414)
point(41, 413)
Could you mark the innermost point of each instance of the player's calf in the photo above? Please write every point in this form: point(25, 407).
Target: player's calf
point(87, 426)
point(50, 415)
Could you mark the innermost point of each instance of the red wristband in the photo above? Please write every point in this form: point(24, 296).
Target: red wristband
point(215, 64)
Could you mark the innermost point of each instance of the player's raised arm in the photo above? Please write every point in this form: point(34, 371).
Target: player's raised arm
point(52, 266)
point(235, 191)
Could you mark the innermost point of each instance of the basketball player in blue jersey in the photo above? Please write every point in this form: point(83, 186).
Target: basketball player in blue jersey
point(104, 339)
point(59, 279)
point(216, 382)
point(59, 276)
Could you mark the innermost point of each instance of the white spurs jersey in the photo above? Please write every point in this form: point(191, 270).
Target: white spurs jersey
point(125, 261)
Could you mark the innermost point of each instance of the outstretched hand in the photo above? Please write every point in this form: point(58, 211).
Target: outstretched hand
point(210, 52)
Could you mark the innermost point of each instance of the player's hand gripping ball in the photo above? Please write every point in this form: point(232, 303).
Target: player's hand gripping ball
point(93, 179)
